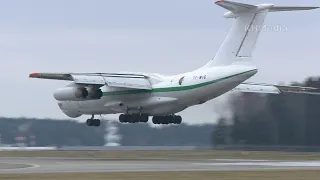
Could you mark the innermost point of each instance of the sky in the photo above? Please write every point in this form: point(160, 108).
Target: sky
point(167, 37)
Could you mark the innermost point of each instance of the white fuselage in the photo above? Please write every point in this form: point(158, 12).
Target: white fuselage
point(140, 95)
point(170, 95)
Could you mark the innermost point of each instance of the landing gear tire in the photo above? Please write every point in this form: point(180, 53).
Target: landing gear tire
point(89, 122)
point(96, 122)
point(144, 118)
point(172, 119)
point(122, 118)
point(177, 119)
point(93, 122)
point(133, 118)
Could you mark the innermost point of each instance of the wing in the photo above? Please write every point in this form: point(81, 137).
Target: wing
point(275, 89)
point(136, 81)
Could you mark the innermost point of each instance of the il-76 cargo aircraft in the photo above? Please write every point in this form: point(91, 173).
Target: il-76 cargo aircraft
point(137, 96)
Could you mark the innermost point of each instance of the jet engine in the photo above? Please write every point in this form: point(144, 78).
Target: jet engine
point(70, 93)
point(94, 93)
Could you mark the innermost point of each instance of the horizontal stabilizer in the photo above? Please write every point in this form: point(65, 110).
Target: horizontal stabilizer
point(275, 89)
point(240, 42)
point(290, 8)
point(235, 7)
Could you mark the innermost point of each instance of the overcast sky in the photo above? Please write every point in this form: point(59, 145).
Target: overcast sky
point(167, 36)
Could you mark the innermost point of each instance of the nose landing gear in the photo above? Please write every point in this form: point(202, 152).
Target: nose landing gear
point(93, 122)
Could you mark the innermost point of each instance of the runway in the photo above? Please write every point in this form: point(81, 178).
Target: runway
point(58, 165)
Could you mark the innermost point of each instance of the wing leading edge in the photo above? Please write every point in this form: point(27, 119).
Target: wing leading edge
point(275, 89)
point(140, 81)
point(136, 81)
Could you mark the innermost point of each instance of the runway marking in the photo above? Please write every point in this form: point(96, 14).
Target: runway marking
point(239, 160)
point(29, 166)
point(276, 164)
point(32, 166)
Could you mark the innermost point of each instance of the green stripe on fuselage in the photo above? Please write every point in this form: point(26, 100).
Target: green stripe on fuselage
point(171, 89)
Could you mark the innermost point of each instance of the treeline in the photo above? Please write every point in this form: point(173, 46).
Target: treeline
point(285, 119)
point(73, 133)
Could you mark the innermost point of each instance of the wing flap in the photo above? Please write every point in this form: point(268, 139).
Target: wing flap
point(257, 89)
point(92, 79)
point(299, 89)
point(128, 82)
point(275, 89)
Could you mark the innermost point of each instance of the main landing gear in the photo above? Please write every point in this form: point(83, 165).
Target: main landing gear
point(93, 122)
point(135, 118)
point(171, 119)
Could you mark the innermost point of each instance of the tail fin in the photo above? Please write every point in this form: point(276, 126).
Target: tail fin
point(242, 37)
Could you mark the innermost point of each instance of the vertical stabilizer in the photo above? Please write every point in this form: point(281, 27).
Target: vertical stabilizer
point(242, 37)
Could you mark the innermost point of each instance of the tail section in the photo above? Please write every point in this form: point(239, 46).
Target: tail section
point(242, 37)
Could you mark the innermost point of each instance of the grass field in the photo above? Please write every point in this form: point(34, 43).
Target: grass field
point(167, 155)
point(206, 175)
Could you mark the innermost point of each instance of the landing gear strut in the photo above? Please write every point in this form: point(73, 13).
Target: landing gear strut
point(93, 122)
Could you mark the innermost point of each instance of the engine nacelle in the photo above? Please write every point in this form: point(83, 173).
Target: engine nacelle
point(70, 93)
point(94, 93)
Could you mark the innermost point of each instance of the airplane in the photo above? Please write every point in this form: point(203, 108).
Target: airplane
point(136, 95)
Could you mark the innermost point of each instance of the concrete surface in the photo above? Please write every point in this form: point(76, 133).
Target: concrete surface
point(53, 165)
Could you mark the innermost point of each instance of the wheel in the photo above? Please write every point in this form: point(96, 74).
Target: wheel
point(96, 122)
point(127, 118)
point(122, 118)
point(144, 118)
point(135, 118)
point(93, 122)
point(166, 119)
point(89, 122)
point(163, 119)
point(178, 119)
point(172, 119)
point(160, 120)
point(156, 119)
